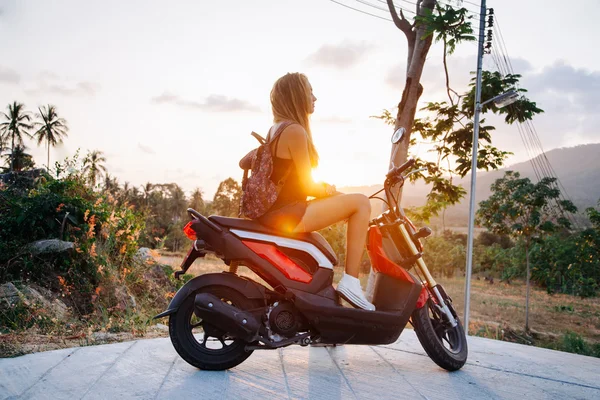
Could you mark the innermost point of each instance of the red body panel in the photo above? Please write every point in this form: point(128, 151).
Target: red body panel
point(279, 260)
point(422, 298)
point(379, 260)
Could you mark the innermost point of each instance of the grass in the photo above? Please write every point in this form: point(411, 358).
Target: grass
point(497, 310)
point(549, 315)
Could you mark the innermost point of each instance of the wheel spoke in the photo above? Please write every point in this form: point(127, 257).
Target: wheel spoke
point(204, 340)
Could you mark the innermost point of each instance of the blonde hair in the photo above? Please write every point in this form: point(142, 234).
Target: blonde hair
point(291, 98)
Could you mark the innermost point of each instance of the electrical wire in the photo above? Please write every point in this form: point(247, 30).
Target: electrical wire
point(386, 9)
point(538, 159)
point(360, 11)
point(415, 5)
point(381, 8)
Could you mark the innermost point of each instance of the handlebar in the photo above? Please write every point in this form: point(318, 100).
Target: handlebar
point(395, 172)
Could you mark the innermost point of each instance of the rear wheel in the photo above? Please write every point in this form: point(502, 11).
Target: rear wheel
point(444, 344)
point(203, 345)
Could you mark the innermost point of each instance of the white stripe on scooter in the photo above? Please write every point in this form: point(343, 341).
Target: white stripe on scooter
point(309, 248)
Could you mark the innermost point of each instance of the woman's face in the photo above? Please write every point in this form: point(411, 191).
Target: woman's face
point(311, 108)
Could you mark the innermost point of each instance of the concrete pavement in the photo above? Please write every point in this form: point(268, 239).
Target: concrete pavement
point(151, 369)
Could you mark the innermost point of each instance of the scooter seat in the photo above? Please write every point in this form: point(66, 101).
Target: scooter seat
point(253, 226)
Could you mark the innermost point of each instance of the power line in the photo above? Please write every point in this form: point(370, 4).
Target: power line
point(381, 8)
point(395, 6)
point(360, 11)
point(539, 162)
point(527, 131)
point(473, 4)
point(475, 13)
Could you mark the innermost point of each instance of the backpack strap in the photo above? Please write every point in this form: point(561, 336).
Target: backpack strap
point(277, 135)
point(279, 131)
point(260, 139)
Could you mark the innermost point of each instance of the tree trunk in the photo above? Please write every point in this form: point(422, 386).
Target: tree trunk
point(418, 49)
point(527, 286)
point(12, 154)
point(48, 164)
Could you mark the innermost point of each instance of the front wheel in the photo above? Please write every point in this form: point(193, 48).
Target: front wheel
point(203, 345)
point(445, 345)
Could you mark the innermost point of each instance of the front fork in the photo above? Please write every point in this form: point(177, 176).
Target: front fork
point(431, 283)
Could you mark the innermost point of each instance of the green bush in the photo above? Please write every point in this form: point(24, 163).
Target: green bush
point(100, 272)
point(568, 263)
point(444, 255)
point(572, 342)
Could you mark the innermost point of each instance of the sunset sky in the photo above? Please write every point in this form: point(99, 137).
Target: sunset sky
point(170, 91)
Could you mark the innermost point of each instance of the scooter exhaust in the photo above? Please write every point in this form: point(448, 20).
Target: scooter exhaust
point(231, 320)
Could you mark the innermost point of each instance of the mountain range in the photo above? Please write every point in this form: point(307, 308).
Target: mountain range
point(577, 168)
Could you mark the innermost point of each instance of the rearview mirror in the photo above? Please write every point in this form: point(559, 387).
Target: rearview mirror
point(397, 136)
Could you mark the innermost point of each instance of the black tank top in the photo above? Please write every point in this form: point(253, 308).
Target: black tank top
point(292, 189)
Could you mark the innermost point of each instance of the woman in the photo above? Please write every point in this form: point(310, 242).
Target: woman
point(294, 153)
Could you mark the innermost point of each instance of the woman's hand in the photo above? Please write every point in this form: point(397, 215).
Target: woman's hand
point(330, 190)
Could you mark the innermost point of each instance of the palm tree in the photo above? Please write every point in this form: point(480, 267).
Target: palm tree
point(52, 129)
point(147, 189)
point(19, 159)
point(177, 202)
point(196, 201)
point(111, 184)
point(16, 124)
point(93, 165)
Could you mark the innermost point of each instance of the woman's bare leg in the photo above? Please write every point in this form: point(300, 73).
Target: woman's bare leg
point(356, 208)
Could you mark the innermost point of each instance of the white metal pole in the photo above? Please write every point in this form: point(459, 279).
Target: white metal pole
point(474, 168)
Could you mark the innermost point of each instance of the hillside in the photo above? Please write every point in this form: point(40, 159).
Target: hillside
point(578, 169)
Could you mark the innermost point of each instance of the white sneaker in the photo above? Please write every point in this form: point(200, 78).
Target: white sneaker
point(349, 288)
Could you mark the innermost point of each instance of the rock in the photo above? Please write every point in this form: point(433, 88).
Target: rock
point(54, 307)
point(111, 337)
point(157, 275)
point(30, 297)
point(34, 297)
point(9, 294)
point(160, 328)
point(124, 299)
point(145, 254)
point(50, 246)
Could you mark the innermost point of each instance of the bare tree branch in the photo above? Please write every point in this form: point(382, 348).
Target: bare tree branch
point(401, 22)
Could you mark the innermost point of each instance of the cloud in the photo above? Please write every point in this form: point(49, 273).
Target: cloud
point(570, 97)
point(340, 56)
point(396, 76)
point(49, 82)
point(571, 88)
point(214, 102)
point(146, 149)
point(9, 75)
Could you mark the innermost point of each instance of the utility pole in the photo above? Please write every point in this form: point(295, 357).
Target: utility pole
point(469, 268)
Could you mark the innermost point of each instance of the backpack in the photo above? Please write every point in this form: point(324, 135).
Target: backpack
point(259, 192)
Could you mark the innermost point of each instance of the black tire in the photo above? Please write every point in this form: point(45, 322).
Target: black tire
point(445, 345)
point(183, 330)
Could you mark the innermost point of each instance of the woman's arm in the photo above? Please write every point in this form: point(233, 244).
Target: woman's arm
point(298, 147)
